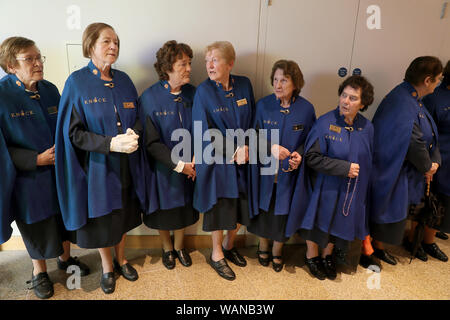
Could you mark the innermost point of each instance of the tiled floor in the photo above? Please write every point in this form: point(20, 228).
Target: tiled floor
point(419, 280)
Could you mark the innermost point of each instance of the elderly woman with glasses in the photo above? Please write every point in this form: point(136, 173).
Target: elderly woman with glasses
point(99, 165)
point(292, 116)
point(28, 114)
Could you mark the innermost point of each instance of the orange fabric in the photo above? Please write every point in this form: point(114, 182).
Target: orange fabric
point(367, 248)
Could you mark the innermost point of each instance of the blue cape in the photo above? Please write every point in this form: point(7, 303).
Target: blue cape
point(28, 124)
point(395, 182)
point(173, 188)
point(97, 191)
point(221, 110)
point(438, 104)
point(293, 129)
point(323, 204)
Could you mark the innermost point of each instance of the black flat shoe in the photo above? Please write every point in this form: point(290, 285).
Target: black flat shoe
point(234, 256)
point(316, 268)
point(434, 251)
point(441, 235)
point(222, 269)
point(63, 265)
point(277, 266)
point(330, 267)
point(369, 262)
point(127, 271)
point(184, 257)
point(108, 282)
point(168, 259)
point(420, 254)
point(384, 256)
point(41, 285)
point(263, 261)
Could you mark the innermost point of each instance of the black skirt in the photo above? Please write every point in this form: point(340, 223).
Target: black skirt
point(268, 225)
point(172, 219)
point(226, 214)
point(44, 239)
point(107, 231)
point(391, 233)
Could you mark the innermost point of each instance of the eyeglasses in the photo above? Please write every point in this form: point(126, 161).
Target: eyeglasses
point(32, 60)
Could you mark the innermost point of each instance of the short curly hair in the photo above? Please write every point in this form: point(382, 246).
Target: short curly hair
point(10, 48)
point(359, 82)
point(292, 70)
point(167, 55)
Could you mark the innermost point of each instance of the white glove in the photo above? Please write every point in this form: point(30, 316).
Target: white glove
point(132, 133)
point(125, 143)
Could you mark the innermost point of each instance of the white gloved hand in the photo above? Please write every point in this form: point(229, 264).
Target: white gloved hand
point(125, 143)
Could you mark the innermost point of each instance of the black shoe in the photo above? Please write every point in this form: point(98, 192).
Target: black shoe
point(168, 259)
point(434, 251)
point(127, 271)
point(41, 285)
point(441, 235)
point(108, 282)
point(420, 254)
point(384, 256)
point(277, 266)
point(234, 256)
point(369, 263)
point(316, 268)
point(222, 269)
point(63, 265)
point(329, 267)
point(263, 261)
point(340, 256)
point(184, 257)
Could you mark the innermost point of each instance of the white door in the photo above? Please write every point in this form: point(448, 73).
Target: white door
point(390, 35)
point(444, 53)
point(142, 25)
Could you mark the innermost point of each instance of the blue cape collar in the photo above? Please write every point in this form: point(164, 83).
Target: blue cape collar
point(411, 90)
point(96, 72)
point(220, 86)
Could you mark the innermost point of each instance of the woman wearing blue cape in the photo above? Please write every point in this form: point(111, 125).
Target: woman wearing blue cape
point(292, 117)
point(336, 172)
point(222, 102)
point(406, 157)
point(99, 165)
point(165, 107)
point(28, 113)
point(438, 104)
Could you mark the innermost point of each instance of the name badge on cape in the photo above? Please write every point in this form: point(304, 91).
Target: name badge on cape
point(52, 110)
point(241, 102)
point(128, 105)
